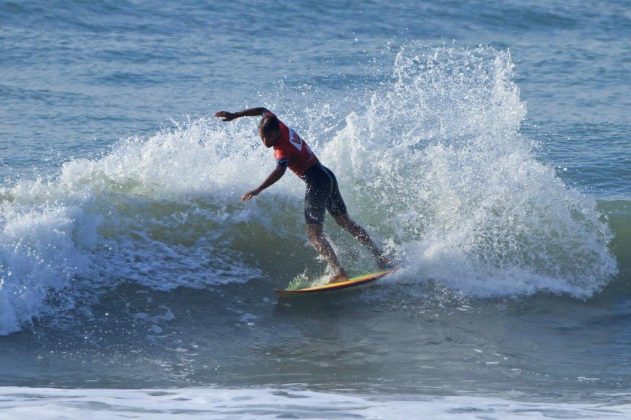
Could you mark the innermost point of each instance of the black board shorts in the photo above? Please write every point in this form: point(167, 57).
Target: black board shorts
point(322, 194)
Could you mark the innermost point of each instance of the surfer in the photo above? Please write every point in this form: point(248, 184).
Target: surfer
point(322, 190)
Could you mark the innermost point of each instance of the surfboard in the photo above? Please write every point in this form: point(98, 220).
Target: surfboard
point(329, 287)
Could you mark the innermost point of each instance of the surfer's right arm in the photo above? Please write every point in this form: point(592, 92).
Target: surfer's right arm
point(252, 112)
point(276, 174)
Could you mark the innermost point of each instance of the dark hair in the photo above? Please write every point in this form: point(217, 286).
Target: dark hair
point(269, 124)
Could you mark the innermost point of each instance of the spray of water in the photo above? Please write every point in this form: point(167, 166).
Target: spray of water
point(438, 156)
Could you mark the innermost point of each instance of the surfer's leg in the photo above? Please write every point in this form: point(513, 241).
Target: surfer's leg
point(337, 208)
point(359, 233)
point(324, 248)
point(318, 189)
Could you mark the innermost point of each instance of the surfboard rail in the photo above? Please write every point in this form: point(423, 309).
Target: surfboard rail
point(352, 282)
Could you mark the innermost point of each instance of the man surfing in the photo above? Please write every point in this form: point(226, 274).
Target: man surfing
point(322, 190)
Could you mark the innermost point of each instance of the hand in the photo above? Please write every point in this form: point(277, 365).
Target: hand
point(227, 116)
point(250, 195)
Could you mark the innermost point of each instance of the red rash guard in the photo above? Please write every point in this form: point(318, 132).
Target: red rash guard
point(290, 150)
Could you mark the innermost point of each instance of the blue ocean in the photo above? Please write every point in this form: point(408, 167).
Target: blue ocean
point(484, 145)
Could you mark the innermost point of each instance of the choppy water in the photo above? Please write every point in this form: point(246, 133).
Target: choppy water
point(484, 144)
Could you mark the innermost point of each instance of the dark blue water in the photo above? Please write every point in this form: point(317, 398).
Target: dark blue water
point(485, 144)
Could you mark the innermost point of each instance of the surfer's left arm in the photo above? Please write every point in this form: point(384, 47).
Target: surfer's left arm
point(251, 112)
point(276, 174)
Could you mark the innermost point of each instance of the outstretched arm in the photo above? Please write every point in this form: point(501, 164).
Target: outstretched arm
point(252, 112)
point(269, 181)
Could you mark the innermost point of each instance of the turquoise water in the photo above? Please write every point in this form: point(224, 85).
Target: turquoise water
point(485, 145)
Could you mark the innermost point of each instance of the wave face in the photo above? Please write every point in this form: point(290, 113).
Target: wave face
point(434, 164)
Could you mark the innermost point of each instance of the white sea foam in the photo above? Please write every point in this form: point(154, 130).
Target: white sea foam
point(49, 403)
point(39, 245)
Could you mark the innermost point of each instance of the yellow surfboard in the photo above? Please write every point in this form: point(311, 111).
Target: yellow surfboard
point(355, 281)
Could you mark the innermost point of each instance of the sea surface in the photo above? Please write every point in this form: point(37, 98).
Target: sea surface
point(484, 145)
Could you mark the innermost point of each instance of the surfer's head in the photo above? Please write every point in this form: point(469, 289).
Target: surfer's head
point(269, 130)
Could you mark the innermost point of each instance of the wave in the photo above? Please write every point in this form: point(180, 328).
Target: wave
point(617, 214)
point(435, 165)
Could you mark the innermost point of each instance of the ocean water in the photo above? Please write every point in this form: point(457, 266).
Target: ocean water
point(483, 144)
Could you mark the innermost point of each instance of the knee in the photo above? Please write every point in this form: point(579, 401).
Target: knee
point(314, 232)
point(314, 238)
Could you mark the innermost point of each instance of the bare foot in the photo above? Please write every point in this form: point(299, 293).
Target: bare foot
point(384, 263)
point(338, 278)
